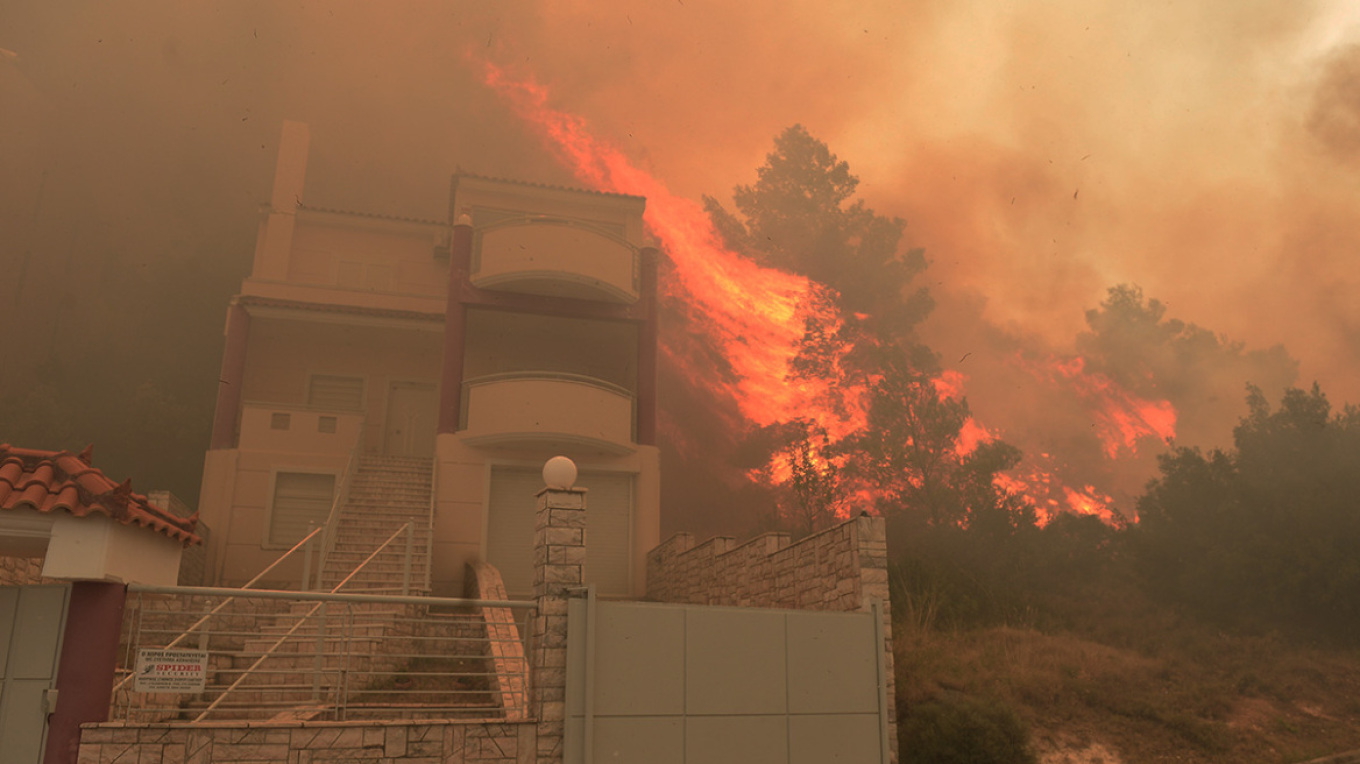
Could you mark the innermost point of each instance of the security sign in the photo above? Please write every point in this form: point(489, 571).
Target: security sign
point(171, 670)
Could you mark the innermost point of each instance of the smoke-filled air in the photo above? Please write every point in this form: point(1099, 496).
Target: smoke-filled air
point(1103, 221)
point(1063, 294)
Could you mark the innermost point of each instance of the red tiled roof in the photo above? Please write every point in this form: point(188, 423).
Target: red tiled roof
point(52, 480)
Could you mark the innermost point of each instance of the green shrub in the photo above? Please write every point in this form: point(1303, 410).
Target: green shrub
point(960, 730)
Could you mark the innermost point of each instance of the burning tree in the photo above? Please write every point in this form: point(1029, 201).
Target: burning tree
point(885, 435)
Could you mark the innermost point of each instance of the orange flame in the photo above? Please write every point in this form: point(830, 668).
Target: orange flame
point(756, 313)
point(1121, 418)
point(757, 316)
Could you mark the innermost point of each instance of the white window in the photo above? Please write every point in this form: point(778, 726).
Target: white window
point(301, 499)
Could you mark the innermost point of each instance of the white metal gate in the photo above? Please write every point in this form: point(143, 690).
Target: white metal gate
point(32, 620)
point(689, 684)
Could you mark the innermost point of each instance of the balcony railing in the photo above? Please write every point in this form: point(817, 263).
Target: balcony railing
point(555, 257)
point(549, 408)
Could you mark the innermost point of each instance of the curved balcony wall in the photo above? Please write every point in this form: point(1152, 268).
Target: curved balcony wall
point(548, 409)
point(556, 258)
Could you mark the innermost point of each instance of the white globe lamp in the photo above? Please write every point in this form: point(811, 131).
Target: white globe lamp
point(559, 473)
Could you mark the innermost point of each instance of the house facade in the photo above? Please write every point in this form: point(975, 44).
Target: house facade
point(522, 327)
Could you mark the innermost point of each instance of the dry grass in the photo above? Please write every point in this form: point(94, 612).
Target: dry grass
point(1145, 685)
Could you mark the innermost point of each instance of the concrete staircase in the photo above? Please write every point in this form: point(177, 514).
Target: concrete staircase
point(385, 493)
point(388, 660)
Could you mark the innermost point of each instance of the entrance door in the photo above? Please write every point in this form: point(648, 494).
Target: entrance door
point(412, 416)
point(32, 620)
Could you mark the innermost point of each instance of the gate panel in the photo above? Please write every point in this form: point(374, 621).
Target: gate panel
point(31, 621)
point(689, 684)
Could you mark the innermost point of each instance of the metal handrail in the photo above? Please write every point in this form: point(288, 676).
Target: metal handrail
point(289, 594)
point(429, 527)
point(404, 529)
point(341, 496)
point(234, 593)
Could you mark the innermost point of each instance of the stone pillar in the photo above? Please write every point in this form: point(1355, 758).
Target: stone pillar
point(230, 381)
point(646, 382)
point(455, 328)
point(559, 562)
point(871, 551)
point(89, 659)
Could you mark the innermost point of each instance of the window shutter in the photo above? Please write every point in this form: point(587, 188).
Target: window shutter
point(300, 499)
point(335, 393)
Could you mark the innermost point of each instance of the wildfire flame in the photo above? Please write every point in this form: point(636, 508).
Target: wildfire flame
point(1121, 419)
point(757, 314)
point(757, 317)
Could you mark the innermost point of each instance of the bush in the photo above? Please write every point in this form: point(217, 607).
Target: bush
point(960, 730)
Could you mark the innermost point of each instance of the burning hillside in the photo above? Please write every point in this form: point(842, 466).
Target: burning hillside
point(758, 320)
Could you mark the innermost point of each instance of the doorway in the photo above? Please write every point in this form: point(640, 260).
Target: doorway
point(412, 416)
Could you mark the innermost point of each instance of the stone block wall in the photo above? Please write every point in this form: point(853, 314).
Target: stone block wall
point(18, 571)
point(504, 647)
point(559, 562)
point(842, 568)
point(417, 742)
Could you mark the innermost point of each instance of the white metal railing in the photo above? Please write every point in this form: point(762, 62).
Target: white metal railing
point(333, 518)
point(305, 543)
point(348, 657)
point(270, 652)
point(429, 522)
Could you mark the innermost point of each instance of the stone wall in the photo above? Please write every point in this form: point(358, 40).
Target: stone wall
point(17, 571)
point(504, 646)
point(840, 568)
point(417, 742)
point(843, 568)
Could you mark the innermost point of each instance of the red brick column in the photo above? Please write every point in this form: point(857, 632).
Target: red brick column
point(89, 658)
point(559, 561)
point(455, 328)
point(230, 380)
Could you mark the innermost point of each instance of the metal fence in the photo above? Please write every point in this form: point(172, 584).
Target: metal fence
point(295, 656)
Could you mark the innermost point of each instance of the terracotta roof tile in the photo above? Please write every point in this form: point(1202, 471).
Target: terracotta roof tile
point(60, 480)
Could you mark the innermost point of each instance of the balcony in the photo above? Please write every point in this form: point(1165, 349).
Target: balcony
point(297, 428)
point(556, 258)
point(548, 409)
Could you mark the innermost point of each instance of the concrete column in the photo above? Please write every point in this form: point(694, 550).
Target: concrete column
point(646, 383)
point(455, 327)
point(89, 658)
point(231, 378)
point(559, 563)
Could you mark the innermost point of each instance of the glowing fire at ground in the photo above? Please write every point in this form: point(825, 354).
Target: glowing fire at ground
point(757, 316)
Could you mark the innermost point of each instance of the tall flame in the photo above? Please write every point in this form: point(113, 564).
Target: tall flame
point(1121, 419)
point(757, 317)
point(756, 313)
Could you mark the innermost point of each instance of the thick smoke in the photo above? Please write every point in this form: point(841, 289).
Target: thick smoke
point(1041, 153)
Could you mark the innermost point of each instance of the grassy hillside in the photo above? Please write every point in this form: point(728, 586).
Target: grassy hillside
point(1110, 676)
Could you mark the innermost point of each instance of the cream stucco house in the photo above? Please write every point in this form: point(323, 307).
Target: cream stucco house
point(467, 350)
